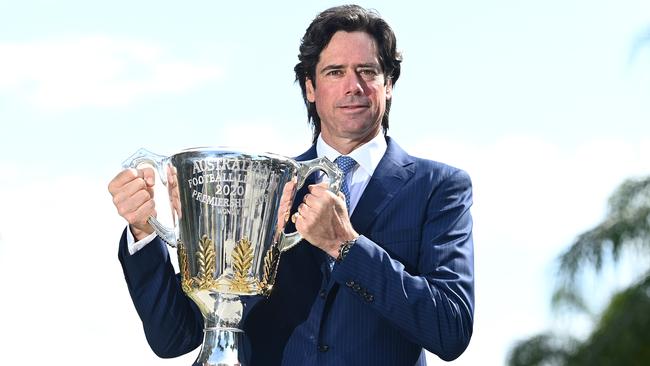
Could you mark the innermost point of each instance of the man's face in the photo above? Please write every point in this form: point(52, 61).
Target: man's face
point(350, 91)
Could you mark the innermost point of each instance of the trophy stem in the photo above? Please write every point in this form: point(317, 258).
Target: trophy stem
point(222, 334)
point(220, 347)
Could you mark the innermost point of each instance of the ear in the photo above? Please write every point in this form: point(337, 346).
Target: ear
point(389, 89)
point(309, 88)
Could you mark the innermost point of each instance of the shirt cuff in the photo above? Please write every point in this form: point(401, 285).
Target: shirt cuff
point(133, 245)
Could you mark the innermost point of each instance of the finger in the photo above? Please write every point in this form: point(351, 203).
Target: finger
point(289, 186)
point(315, 200)
point(309, 200)
point(284, 209)
point(287, 191)
point(126, 205)
point(172, 176)
point(303, 209)
point(131, 188)
point(122, 178)
point(148, 175)
point(320, 186)
point(131, 196)
point(287, 194)
point(295, 217)
point(146, 210)
point(140, 217)
point(174, 193)
point(299, 224)
point(134, 179)
point(318, 189)
point(302, 223)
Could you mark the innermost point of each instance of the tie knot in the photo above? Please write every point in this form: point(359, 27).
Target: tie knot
point(345, 163)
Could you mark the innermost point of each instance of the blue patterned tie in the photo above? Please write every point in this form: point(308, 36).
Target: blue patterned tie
point(346, 164)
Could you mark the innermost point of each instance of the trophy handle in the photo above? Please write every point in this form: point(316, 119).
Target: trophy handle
point(305, 169)
point(144, 156)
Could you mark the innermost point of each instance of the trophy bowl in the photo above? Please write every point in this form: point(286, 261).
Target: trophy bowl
point(229, 210)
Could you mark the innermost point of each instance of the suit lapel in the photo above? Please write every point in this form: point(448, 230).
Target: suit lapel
point(393, 171)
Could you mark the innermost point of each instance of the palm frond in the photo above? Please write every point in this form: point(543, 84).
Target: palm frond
point(627, 225)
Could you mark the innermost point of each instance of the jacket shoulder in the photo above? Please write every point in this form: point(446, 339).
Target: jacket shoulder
point(436, 171)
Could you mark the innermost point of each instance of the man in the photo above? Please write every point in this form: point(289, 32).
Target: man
point(373, 288)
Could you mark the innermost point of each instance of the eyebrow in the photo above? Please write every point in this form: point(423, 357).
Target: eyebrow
point(331, 67)
point(370, 64)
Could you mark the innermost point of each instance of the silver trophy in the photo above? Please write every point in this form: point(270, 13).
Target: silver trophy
point(229, 210)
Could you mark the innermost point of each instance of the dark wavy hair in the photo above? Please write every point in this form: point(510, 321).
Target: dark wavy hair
point(348, 18)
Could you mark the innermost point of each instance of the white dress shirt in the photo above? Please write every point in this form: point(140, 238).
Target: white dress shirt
point(367, 157)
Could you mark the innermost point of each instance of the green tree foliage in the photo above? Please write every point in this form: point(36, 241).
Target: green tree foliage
point(545, 349)
point(621, 335)
point(626, 226)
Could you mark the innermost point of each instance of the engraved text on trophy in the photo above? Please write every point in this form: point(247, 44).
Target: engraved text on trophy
point(222, 183)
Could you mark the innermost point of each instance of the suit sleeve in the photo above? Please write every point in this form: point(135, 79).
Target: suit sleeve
point(172, 323)
point(433, 307)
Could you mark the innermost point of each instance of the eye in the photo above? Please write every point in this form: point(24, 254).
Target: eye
point(368, 73)
point(334, 72)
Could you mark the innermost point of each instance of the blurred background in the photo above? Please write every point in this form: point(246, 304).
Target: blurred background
point(544, 103)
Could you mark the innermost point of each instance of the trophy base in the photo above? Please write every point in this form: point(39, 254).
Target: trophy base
point(220, 347)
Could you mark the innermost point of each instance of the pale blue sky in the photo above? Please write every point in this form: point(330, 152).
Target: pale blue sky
point(544, 103)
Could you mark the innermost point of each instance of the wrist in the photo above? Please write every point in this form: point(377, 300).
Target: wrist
point(344, 248)
point(139, 234)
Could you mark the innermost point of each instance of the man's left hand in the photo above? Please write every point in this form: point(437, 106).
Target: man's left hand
point(322, 219)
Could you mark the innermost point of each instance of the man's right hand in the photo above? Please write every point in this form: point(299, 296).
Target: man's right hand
point(132, 191)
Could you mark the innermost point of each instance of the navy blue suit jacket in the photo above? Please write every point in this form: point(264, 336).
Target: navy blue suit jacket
point(407, 284)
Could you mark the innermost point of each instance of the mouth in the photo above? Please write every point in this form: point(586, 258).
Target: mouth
point(353, 107)
point(353, 104)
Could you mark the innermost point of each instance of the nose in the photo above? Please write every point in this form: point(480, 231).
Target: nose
point(353, 84)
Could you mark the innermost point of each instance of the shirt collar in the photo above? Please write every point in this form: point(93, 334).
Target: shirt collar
point(367, 155)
